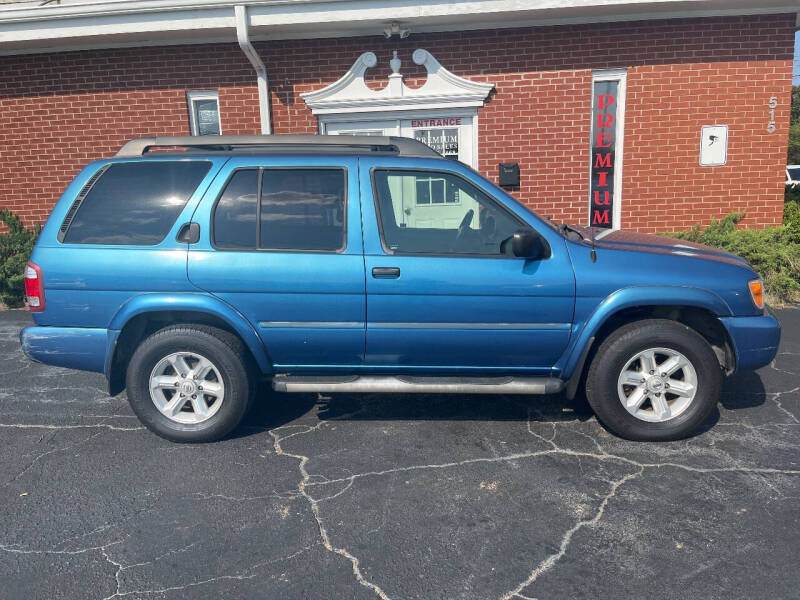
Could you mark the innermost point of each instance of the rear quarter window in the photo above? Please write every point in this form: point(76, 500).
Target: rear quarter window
point(134, 203)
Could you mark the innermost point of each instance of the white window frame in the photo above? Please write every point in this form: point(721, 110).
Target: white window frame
point(621, 76)
point(429, 181)
point(192, 97)
point(396, 124)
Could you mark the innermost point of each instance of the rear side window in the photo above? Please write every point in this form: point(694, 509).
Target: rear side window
point(297, 210)
point(235, 215)
point(134, 203)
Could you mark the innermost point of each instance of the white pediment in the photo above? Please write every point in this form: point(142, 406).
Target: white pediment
point(442, 89)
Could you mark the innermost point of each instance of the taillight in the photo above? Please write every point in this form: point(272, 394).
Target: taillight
point(34, 287)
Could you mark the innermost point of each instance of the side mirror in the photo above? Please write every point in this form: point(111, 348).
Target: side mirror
point(526, 243)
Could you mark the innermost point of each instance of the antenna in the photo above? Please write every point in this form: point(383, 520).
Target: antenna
point(593, 253)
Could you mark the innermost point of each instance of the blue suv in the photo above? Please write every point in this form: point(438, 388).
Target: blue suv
point(371, 264)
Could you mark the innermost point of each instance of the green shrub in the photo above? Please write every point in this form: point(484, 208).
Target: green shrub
point(791, 210)
point(15, 249)
point(774, 252)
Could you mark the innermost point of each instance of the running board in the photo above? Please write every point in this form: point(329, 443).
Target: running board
point(406, 384)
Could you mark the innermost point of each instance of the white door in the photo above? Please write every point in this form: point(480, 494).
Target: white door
point(453, 137)
point(429, 202)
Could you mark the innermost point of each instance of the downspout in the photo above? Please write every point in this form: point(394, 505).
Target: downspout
point(243, 36)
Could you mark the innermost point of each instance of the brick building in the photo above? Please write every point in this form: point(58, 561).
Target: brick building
point(690, 97)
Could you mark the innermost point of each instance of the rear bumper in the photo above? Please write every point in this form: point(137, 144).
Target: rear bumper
point(755, 340)
point(80, 348)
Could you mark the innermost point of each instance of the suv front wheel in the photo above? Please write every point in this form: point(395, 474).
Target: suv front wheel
point(654, 380)
point(189, 383)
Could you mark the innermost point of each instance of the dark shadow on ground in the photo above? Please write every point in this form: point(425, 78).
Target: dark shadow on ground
point(272, 409)
point(743, 390)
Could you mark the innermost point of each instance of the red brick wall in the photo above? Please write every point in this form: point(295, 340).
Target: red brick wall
point(61, 110)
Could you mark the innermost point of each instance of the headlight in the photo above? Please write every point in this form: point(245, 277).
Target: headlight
point(757, 292)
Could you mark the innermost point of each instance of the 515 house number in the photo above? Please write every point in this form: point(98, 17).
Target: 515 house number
point(772, 104)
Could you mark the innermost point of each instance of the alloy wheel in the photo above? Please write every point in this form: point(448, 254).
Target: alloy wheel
point(186, 388)
point(657, 384)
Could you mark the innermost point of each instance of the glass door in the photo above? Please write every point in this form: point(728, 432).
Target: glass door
point(452, 136)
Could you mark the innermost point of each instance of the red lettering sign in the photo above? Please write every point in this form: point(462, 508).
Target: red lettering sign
point(604, 101)
point(447, 122)
point(604, 120)
point(603, 161)
point(604, 141)
point(606, 201)
point(601, 217)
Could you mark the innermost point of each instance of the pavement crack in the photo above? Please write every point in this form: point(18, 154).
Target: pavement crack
point(551, 560)
point(555, 452)
point(30, 465)
point(248, 573)
point(776, 398)
point(315, 510)
point(92, 426)
point(14, 549)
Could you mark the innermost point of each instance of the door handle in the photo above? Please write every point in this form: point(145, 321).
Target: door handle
point(386, 272)
point(189, 233)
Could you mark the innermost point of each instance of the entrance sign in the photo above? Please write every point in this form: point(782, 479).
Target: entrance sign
point(604, 140)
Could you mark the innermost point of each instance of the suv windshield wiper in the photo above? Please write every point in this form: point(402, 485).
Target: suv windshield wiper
point(570, 232)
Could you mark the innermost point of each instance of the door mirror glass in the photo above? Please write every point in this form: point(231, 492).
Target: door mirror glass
point(526, 243)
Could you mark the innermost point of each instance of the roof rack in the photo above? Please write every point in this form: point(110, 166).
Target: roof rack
point(292, 143)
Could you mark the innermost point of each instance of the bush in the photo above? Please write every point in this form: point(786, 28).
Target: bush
point(15, 249)
point(774, 252)
point(791, 210)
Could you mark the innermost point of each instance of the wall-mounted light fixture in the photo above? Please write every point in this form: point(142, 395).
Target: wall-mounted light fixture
point(395, 28)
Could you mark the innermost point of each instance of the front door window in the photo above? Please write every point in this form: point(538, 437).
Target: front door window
point(440, 213)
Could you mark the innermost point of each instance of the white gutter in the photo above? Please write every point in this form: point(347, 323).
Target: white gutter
point(243, 36)
point(423, 8)
point(93, 24)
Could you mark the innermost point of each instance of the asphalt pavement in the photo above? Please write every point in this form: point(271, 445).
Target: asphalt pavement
point(401, 497)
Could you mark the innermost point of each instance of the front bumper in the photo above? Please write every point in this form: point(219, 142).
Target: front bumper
point(755, 340)
point(80, 348)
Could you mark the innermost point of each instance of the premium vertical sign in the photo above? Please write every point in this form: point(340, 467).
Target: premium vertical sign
point(603, 158)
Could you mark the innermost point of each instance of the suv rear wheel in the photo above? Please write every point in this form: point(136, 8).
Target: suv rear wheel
point(654, 380)
point(189, 383)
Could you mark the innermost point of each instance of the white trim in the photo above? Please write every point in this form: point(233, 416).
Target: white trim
point(397, 117)
point(442, 89)
point(123, 23)
point(349, 100)
point(191, 97)
point(620, 75)
point(554, 10)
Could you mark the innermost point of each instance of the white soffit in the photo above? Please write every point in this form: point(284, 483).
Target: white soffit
point(442, 89)
point(75, 24)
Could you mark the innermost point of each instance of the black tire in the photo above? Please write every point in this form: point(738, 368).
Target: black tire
point(229, 357)
point(627, 341)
